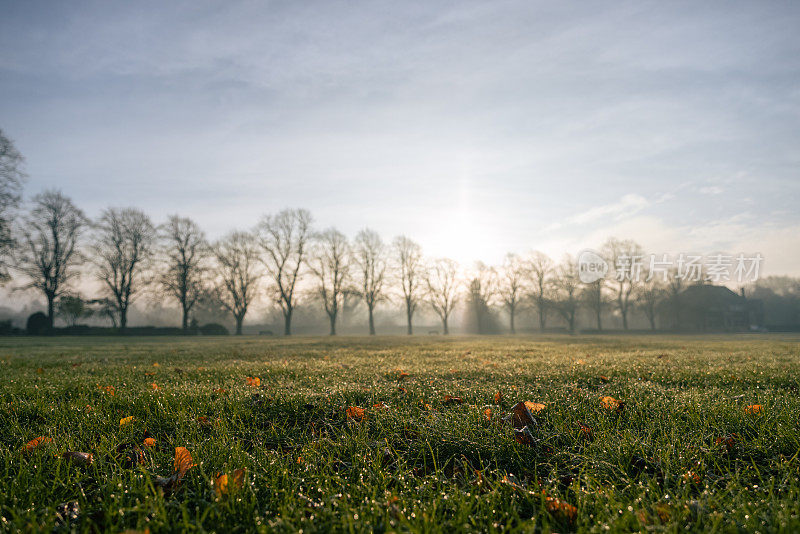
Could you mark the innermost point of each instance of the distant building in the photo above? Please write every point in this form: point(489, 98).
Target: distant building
point(704, 307)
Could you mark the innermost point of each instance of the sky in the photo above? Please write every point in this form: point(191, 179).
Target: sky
point(476, 128)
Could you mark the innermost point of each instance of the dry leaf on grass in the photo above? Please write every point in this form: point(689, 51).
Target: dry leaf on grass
point(253, 381)
point(223, 484)
point(149, 442)
point(220, 391)
point(498, 397)
point(154, 386)
point(753, 409)
point(79, 458)
point(521, 416)
point(35, 443)
point(534, 407)
point(523, 436)
point(126, 420)
point(355, 413)
point(560, 509)
point(586, 431)
point(487, 414)
point(183, 462)
point(108, 390)
point(611, 404)
point(452, 399)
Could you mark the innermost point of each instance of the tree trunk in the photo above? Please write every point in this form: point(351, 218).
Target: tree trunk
point(408, 317)
point(624, 319)
point(333, 324)
point(513, 330)
point(444, 326)
point(652, 318)
point(287, 322)
point(599, 319)
point(371, 322)
point(542, 316)
point(239, 321)
point(50, 309)
point(123, 319)
point(185, 320)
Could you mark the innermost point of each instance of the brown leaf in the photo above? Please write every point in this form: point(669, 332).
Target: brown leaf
point(36, 443)
point(154, 386)
point(523, 436)
point(604, 378)
point(108, 390)
point(452, 399)
point(521, 416)
point(221, 485)
point(149, 442)
point(498, 397)
point(39, 371)
point(253, 381)
point(380, 406)
point(754, 409)
point(126, 420)
point(79, 458)
point(534, 407)
point(220, 391)
point(355, 413)
point(487, 414)
point(203, 420)
point(586, 431)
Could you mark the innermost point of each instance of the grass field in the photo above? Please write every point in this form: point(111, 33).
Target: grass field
point(682, 454)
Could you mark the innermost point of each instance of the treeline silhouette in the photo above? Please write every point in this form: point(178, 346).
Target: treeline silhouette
point(49, 244)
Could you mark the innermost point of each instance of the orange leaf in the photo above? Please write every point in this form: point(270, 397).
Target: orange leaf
point(754, 409)
point(402, 375)
point(586, 431)
point(156, 364)
point(498, 397)
point(487, 414)
point(355, 413)
point(604, 378)
point(380, 406)
point(253, 381)
point(561, 509)
point(221, 486)
point(220, 391)
point(612, 404)
point(126, 420)
point(109, 390)
point(154, 386)
point(149, 442)
point(79, 458)
point(183, 461)
point(203, 420)
point(534, 407)
point(36, 443)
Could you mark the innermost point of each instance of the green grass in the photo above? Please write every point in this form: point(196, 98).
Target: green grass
point(442, 468)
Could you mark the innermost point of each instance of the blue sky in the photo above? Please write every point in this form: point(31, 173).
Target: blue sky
point(474, 127)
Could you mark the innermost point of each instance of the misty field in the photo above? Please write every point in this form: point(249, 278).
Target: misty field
point(395, 434)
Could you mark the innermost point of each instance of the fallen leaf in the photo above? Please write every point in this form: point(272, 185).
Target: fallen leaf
point(521, 416)
point(604, 378)
point(130, 455)
point(253, 381)
point(534, 407)
point(560, 509)
point(380, 406)
point(126, 420)
point(149, 442)
point(154, 386)
point(203, 420)
point(39, 371)
point(586, 431)
point(183, 461)
point(452, 399)
point(221, 486)
point(728, 442)
point(498, 397)
point(487, 414)
point(355, 413)
point(612, 404)
point(691, 477)
point(156, 364)
point(753, 409)
point(108, 390)
point(36, 443)
point(523, 436)
point(79, 458)
point(220, 391)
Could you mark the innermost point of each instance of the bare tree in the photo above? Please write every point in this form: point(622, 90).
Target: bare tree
point(441, 281)
point(330, 263)
point(512, 286)
point(369, 254)
point(673, 292)
point(482, 295)
point(284, 238)
point(648, 296)
point(540, 272)
point(49, 253)
point(408, 259)
point(122, 250)
point(185, 253)
point(594, 298)
point(625, 258)
point(567, 286)
point(11, 179)
point(237, 274)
